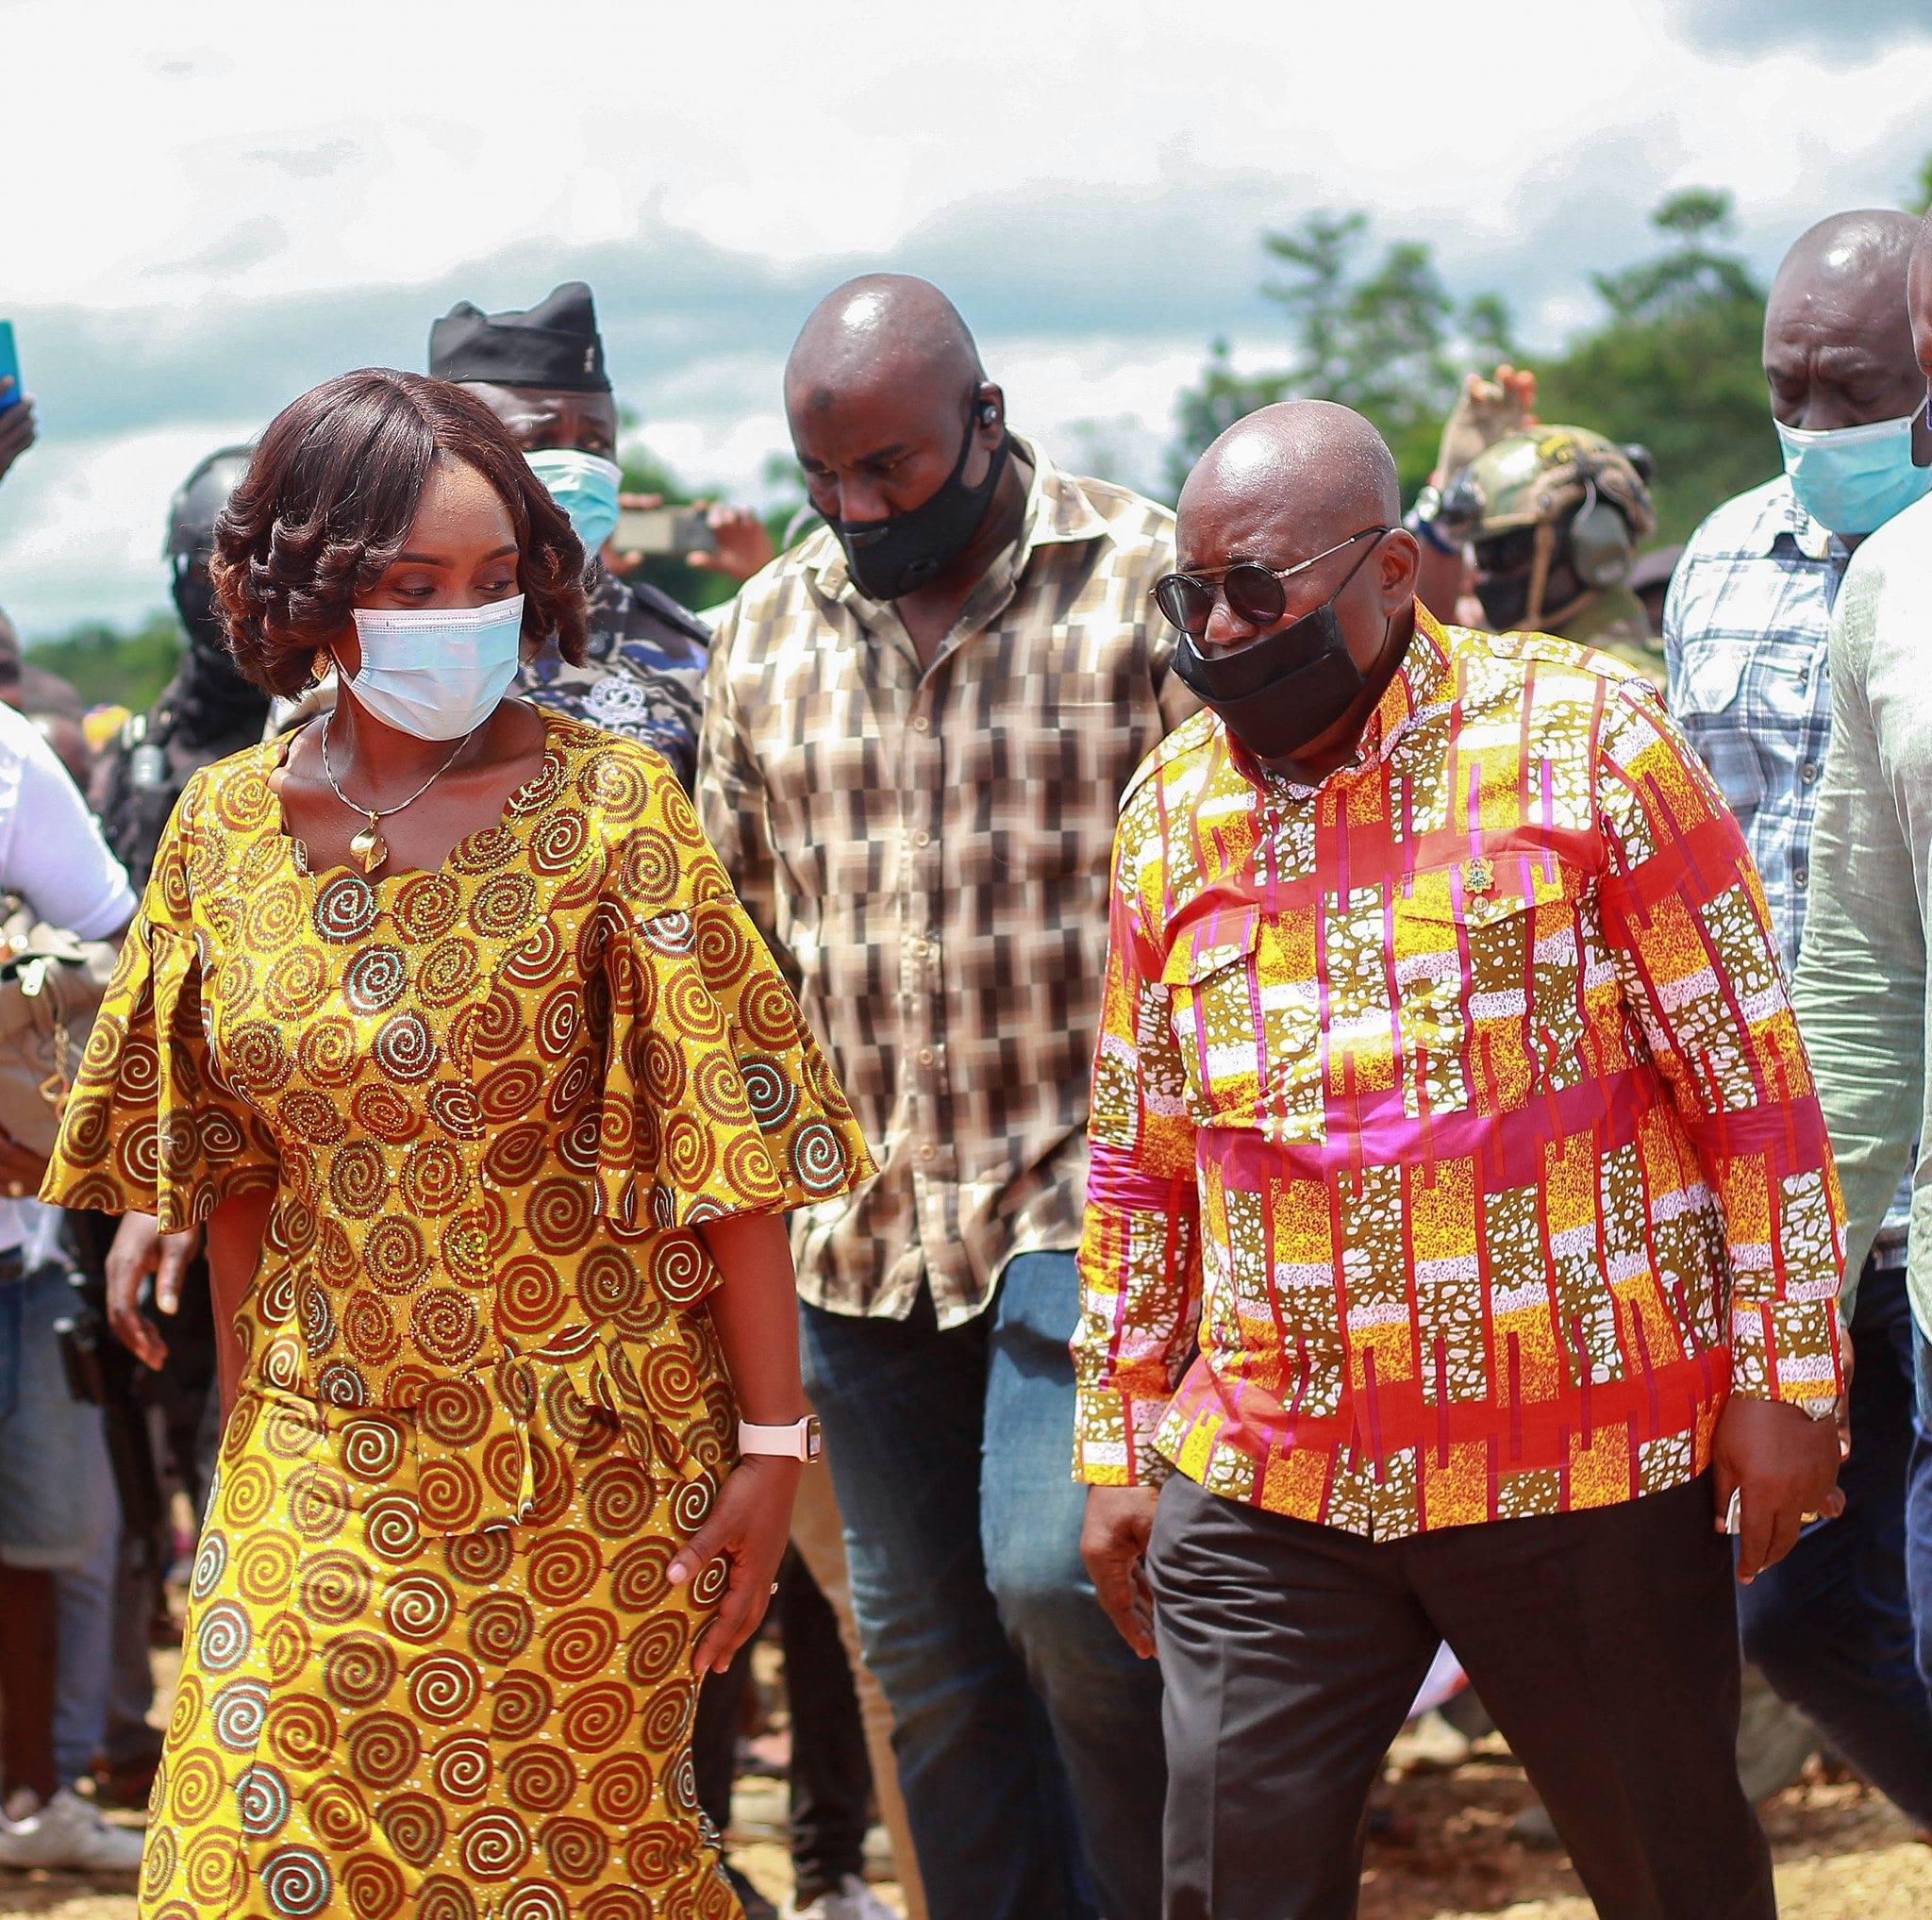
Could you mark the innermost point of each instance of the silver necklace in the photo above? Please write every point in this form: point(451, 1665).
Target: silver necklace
point(368, 847)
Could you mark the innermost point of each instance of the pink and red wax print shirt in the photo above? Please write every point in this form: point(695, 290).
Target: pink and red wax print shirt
point(1454, 1152)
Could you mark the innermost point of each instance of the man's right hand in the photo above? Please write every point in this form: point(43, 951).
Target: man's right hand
point(17, 426)
point(141, 1249)
point(1113, 1544)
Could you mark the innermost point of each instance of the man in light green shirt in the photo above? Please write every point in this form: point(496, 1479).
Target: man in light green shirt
point(1863, 995)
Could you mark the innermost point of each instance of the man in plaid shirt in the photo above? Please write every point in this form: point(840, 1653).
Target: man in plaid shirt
point(918, 725)
point(1745, 630)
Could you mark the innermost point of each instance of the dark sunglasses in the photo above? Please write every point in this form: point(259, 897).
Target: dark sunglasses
point(1255, 593)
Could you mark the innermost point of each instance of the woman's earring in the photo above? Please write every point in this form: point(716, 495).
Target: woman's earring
point(321, 666)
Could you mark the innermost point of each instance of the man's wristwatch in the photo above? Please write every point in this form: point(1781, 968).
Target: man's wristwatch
point(800, 1441)
point(1822, 1408)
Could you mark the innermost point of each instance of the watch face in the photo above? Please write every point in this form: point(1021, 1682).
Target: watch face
point(814, 1441)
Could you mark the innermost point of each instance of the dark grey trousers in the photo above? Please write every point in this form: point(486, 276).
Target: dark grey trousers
point(1603, 1643)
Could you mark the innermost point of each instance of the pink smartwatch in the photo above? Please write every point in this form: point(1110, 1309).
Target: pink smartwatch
point(799, 1441)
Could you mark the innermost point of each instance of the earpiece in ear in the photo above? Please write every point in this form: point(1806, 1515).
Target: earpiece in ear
point(989, 413)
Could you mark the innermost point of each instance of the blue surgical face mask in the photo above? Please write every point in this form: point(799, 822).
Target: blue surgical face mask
point(437, 672)
point(1852, 479)
point(585, 487)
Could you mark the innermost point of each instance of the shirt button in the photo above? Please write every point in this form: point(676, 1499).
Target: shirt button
point(921, 724)
point(922, 838)
point(1809, 771)
point(926, 1056)
point(920, 948)
point(925, 1152)
point(1800, 877)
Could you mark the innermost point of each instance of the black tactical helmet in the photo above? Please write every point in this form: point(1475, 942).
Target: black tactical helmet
point(198, 499)
point(191, 515)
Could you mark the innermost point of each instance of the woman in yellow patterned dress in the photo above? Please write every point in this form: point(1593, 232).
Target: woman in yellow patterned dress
point(492, 1103)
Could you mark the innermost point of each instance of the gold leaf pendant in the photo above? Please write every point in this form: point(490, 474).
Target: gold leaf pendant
point(368, 847)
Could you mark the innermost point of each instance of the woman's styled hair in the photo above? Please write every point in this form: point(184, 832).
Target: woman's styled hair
point(327, 503)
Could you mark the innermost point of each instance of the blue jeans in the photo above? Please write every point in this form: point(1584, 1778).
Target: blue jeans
point(58, 1510)
point(86, 1598)
point(57, 1490)
point(1831, 1626)
point(1014, 1700)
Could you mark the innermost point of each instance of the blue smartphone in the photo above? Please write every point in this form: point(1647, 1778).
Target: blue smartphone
point(9, 367)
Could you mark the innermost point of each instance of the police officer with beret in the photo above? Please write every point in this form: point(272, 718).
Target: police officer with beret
point(543, 373)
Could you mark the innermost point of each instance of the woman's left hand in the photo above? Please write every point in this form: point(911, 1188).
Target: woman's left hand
point(749, 1527)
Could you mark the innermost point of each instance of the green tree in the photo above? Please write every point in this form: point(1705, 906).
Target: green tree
point(1919, 199)
point(106, 666)
point(1382, 335)
point(1677, 364)
point(1673, 363)
point(790, 506)
point(1693, 272)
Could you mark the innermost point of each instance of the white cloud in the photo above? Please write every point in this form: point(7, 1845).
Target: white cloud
point(89, 543)
point(260, 196)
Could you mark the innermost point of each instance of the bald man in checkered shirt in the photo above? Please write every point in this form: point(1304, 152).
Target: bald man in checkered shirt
point(918, 722)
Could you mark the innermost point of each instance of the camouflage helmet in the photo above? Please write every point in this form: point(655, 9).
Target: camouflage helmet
point(1541, 477)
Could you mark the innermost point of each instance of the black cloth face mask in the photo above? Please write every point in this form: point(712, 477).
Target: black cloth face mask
point(1284, 689)
point(900, 552)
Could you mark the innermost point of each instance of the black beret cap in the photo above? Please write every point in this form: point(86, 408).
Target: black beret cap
point(555, 344)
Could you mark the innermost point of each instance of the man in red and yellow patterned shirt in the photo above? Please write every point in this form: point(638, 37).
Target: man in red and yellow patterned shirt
point(1459, 1200)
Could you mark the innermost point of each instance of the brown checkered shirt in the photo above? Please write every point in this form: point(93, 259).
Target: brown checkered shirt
point(928, 853)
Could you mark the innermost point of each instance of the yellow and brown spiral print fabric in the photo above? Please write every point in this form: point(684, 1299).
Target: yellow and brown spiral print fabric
point(433, 1665)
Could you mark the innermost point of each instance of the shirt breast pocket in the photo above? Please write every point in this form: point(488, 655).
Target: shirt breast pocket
point(1708, 678)
point(1246, 1022)
point(1486, 964)
point(1743, 704)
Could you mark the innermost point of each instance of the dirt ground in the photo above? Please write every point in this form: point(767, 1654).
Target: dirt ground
point(1842, 1854)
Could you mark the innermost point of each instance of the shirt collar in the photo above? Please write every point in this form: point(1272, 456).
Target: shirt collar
point(1058, 511)
point(1783, 518)
point(1413, 690)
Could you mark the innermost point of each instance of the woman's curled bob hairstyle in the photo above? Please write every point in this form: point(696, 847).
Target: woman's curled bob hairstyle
point(327, 503)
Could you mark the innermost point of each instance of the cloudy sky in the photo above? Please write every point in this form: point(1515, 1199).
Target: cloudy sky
point(214, 205)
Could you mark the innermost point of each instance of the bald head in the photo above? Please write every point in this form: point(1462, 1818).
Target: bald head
point(888, 404)
point(1838, 346)
point(887, 329)
point(1869, 245)
point(1305, 471)
point(1306, 492)
point(1302, 482)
